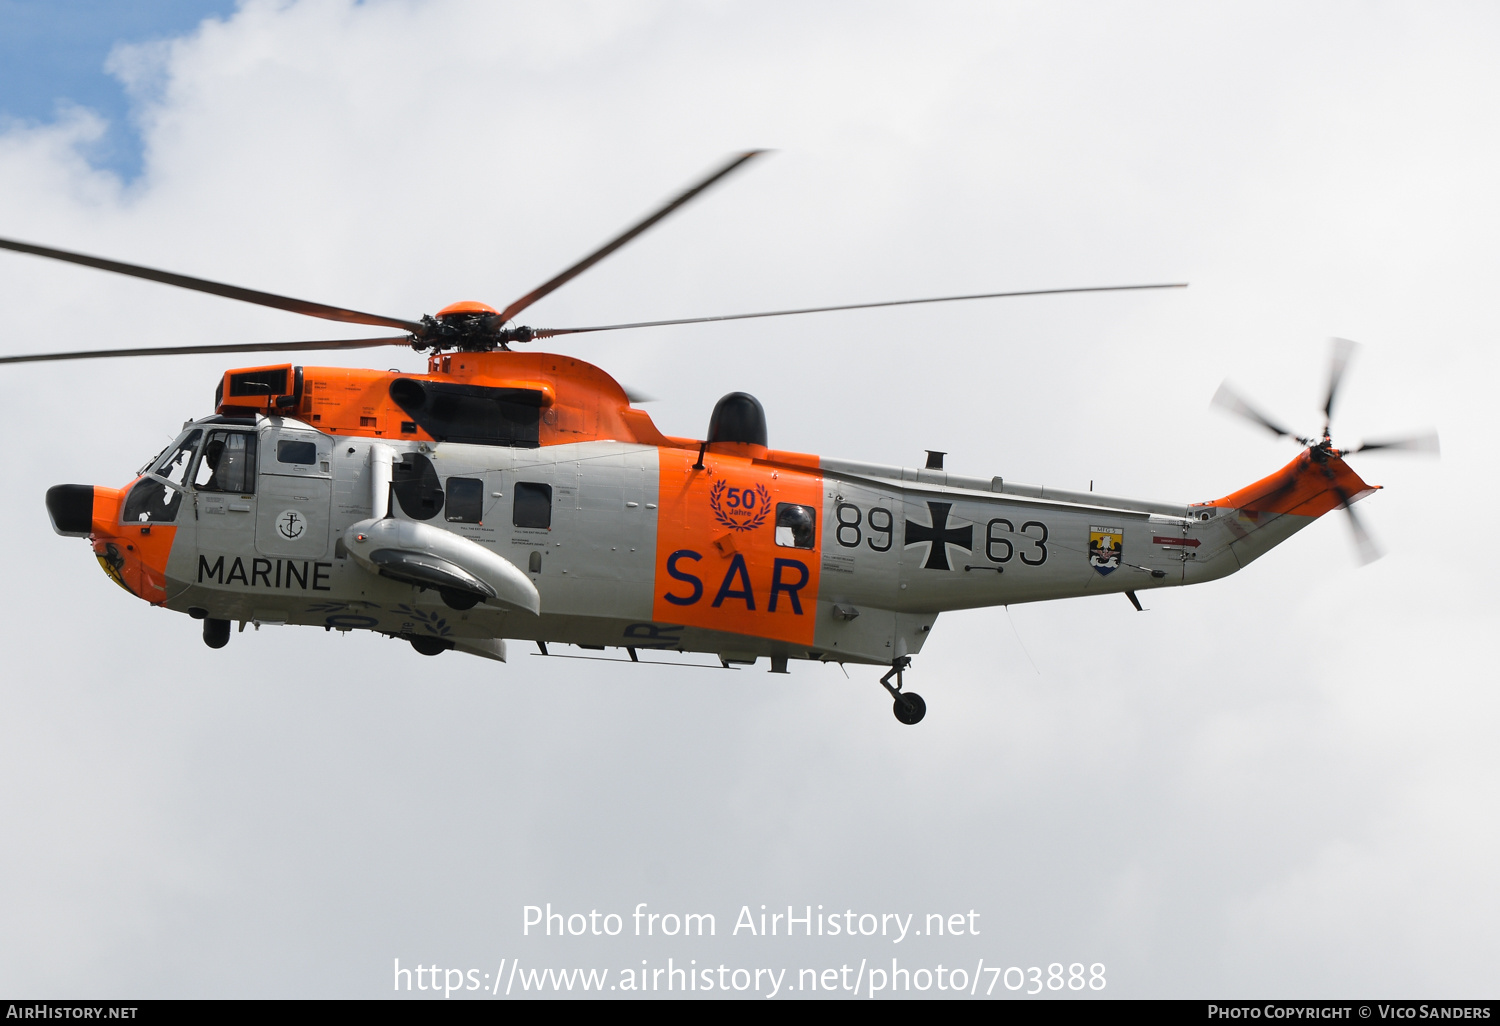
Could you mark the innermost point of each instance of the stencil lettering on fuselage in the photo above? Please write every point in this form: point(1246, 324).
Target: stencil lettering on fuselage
point(718, 565)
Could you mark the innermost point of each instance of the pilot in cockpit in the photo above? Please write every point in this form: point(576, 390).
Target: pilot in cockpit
point(212, 454)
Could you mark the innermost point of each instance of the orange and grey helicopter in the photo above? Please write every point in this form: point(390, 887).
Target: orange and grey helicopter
point(508, 495)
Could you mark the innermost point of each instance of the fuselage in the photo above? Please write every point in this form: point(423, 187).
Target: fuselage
point(640, 542)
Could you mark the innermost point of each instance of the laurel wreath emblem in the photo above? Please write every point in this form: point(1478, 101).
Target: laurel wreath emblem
point(749, 515)
point(435, 624)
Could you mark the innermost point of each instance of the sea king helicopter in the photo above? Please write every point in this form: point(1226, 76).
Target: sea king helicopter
point(522, 495)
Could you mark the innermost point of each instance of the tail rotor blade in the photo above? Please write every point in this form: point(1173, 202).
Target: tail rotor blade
point(1369, 550)
point(1424, 443)
point(1343, 351)
point(1230, 400)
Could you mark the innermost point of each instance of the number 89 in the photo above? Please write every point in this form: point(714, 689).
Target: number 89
point(882, 526)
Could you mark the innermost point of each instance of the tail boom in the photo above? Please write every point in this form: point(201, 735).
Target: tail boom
point(1262, 515)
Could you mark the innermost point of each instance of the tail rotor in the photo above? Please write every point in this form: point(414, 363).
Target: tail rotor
point(1321, 450)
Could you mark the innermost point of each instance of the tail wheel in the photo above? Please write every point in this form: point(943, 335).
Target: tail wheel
point(909, 707)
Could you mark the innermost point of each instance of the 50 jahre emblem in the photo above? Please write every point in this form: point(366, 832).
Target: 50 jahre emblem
point(739, 509)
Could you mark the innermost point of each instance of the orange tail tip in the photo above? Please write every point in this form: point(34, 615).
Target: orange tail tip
point(1307, 487)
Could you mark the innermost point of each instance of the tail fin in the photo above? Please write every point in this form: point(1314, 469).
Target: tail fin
point(1247, 524)
point(1314, 483)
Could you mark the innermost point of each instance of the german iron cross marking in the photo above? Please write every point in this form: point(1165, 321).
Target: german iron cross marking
point(940, 535)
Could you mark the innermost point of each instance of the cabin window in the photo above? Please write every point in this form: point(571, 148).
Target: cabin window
point(796, 525)
point(533, 505)
point(228, 463)
point(305, 453)
point(465, 500)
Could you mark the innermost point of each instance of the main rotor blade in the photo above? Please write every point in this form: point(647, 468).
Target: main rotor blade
point(1369, 550)
point(1343, 350)
point(233, 347)
point(1230, 400)
point(1427, 443)
point(620, 240)
point(551, 332)
point(301, 306)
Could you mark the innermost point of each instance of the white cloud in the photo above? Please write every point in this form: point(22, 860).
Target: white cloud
point(1279, 782)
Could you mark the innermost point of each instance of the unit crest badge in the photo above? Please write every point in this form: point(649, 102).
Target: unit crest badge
point(739, 509)
point(1106, 545)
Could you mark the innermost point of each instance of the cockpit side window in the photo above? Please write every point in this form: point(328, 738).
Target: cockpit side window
point(151, 501)
point(228, 463)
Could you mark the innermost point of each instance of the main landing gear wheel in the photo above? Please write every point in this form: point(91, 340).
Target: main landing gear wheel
point(909, 707)
point(430, 646)
point(216, 633)
point(455, 599)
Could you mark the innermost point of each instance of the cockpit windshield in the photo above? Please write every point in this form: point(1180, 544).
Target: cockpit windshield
point(176, 459)
point(154, 460)
point(153, 500)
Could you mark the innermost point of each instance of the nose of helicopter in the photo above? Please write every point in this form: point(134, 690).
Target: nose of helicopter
point(134, 556)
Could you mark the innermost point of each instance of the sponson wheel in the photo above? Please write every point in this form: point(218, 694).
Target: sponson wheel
point(455, 599)
point(216, 633)
point(909, 707)
point(430, 646)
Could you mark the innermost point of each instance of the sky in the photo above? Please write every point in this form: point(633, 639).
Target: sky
point(54, 57)
point(1281, 784)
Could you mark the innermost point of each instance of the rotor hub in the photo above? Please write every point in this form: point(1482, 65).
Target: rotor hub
point(467, 326)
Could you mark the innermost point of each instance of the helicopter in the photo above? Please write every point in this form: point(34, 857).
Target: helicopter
point(507, 495)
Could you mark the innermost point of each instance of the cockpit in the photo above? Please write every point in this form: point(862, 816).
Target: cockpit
point(209, 456)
